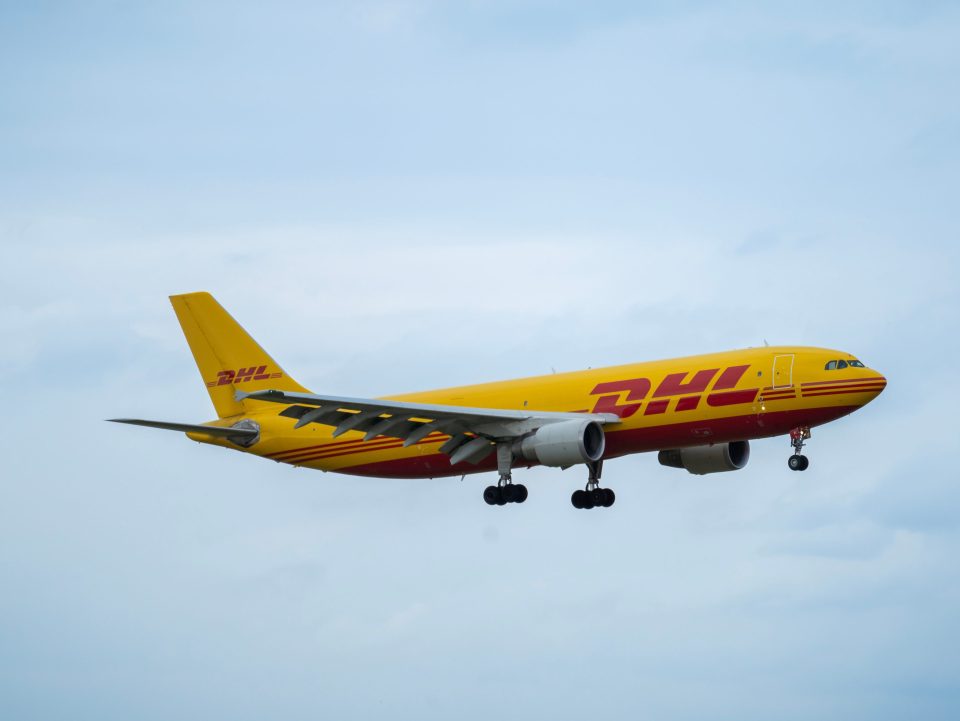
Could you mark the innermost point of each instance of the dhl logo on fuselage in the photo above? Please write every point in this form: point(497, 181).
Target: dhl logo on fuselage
point(675, 385)
point(243, 375)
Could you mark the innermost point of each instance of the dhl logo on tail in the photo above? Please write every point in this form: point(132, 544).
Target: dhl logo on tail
point(243, 375)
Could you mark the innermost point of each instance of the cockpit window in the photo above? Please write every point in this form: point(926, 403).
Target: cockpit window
point(838, 364)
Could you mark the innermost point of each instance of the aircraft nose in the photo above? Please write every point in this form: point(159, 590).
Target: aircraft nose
point(875, 385)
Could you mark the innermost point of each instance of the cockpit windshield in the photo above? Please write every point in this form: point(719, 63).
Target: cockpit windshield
point(839, 364)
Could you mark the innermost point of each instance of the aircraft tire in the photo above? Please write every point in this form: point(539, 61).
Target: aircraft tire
point(804, 463)
point(795, 462)
point(490, 495)
point(609, 497)
point(519, 493)
point(577, 499)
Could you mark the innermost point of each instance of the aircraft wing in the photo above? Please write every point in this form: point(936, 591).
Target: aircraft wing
point(472, 431)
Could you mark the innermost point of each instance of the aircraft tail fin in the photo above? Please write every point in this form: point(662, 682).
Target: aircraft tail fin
point(228, 358)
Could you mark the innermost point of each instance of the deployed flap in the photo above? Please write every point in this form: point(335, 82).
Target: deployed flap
point(411, 422)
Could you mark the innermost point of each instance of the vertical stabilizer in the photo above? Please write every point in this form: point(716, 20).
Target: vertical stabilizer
point(227, 357)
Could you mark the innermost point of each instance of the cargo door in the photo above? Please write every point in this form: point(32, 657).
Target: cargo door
point(783, 371)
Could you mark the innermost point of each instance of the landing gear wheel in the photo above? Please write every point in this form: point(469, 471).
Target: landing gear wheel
point(578, 499)
point(798, 461)
point(505, 491)
point(609, 497)
point(519, 493)
point(593, 496)
point(502, 495)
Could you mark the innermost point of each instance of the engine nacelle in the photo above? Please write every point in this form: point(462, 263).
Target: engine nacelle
point(708, 459)
point(563, 444)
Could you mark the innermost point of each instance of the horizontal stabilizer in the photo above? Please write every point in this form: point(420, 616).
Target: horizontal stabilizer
point(215, 431)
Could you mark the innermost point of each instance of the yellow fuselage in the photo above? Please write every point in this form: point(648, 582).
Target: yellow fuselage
point(698, 400)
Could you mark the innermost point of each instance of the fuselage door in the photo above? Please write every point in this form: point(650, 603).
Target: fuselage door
point(783, 371)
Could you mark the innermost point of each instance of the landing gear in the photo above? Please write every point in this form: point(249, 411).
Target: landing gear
point(506, 491)
point(593, 496)
point(798, 461)
point(597, 498)
point(502, 495)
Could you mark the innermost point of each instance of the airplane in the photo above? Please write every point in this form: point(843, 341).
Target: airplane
point(699, 413)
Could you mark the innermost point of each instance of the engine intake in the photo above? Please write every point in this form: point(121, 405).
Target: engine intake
point(708, 459)
point(563, 444)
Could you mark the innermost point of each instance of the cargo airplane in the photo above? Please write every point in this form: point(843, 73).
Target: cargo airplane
point(700, 413)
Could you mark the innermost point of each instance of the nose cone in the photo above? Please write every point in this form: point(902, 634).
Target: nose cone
point(873, 386)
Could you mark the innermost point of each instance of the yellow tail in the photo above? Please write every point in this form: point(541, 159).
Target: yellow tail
point(227, 357)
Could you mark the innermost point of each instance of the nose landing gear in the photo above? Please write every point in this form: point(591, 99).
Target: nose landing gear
point(798, 462)
point(593, 496)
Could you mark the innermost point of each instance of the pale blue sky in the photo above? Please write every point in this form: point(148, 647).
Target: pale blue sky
point(402, 195)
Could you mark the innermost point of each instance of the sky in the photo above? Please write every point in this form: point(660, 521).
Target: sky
point(396, 196)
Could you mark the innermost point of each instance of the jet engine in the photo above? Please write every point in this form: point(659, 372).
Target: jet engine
point(708, 459)
point(563, 444)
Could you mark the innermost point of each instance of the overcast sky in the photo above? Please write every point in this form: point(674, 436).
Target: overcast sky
point(394, 196)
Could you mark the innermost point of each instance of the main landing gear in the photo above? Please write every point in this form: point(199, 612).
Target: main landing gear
point(797, 461)
point(501, 495)
point(506, 491)
point(593, 496)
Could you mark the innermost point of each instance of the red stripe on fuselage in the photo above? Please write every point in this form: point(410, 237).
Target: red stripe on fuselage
point(368, 448)
point(619, 443)
point(840, 393)
point(879, 379)
point(831, 386)
point(290, 453)
point(845, 389)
